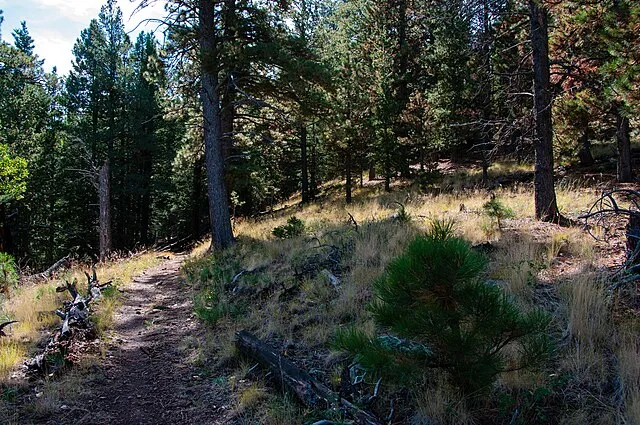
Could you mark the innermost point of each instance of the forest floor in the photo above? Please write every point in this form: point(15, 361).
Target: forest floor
point(169, 356)
point(148, 373)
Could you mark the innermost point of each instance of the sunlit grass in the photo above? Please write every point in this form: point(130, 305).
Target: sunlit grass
point(33, 306)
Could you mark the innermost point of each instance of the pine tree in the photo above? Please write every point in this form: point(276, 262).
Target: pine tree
point(22, 39)
point(440, 314)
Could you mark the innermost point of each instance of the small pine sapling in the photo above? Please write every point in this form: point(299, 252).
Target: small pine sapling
point(439, 313)
point(401, 216)
point(294, 227)
point(495, 208)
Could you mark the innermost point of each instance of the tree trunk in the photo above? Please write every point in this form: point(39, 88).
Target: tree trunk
point(221, 231)
point(196, 195)
point(348, 174)
point(104, 195)
point(584, 154)
point(304, 163)
point(387, 172)
point(546, 208)
point(313, 192)
point(6, 240)
point(624, 146)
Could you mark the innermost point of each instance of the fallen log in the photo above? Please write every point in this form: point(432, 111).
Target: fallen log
point(63, 262)
point(76, 326)
point(311, 393)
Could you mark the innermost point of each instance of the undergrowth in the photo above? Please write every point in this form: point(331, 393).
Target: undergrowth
point(33, 306)
point(297, 292)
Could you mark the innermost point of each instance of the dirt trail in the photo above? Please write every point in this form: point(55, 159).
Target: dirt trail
point(148, 375)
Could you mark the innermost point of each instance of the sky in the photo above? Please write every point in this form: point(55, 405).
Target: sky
point(56, 24)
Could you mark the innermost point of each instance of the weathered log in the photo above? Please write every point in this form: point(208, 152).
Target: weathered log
point(75, 326)
point(64, 261)
point(311, 393)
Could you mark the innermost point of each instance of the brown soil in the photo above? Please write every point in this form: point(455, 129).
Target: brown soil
point(148, 375)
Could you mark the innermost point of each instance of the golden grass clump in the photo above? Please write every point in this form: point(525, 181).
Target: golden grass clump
point(629, 367)
point(33, 306)
point(251, 397)
point(588, 310)
point(440, 404)
point(517, 263)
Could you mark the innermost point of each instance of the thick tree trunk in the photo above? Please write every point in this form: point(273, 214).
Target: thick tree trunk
point(104, 200)
point(221, 231)
point(624, 147)
point(304, 163)
point(546, 208)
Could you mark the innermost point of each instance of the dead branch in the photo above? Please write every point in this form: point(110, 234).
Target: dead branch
point(4, 325)
point(76, 325)
point(353, 220)
point(311, 393)
point(605, 214)
point(63, 262)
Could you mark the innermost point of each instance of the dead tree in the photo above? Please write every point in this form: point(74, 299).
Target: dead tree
point(76, 326)
point(606, 213)
point(63, 262)
point(309, 391)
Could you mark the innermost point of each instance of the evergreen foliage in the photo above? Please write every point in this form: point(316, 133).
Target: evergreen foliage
point(495, 208)
point(294, 227)
point(8, 272)
point(439, 313)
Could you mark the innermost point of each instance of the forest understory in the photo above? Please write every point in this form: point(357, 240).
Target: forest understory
point(169, 353)
point(322, 212)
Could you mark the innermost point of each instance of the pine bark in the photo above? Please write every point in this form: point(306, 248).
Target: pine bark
point(221, 232)
point(104, 200)
point(304, 161)
point(546, 208)
point(584, 154)
point(625, 173)
point(348, 172)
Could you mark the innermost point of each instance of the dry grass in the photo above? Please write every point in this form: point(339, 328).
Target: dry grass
point(439, 404)
point(33, 307)
point(517, 264)
point(531, 258)
point(251, 397)
point(588, 309)
point(629, 365)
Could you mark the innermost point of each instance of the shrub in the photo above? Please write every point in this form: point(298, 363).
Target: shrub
point(294, 227)
point(440, 314)
point(8, 273)
point(210, 307)
point(402, 216)
point(498, 210)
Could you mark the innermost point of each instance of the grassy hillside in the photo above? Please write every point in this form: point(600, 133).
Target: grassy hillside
point(285, 291)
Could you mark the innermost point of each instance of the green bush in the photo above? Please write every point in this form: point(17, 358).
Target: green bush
point(294, 227)
point(498, 210)
point(210, 307)
point(439, 314)
point(8, 272)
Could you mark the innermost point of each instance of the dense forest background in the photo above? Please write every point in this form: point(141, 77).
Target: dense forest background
point(247, 103)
